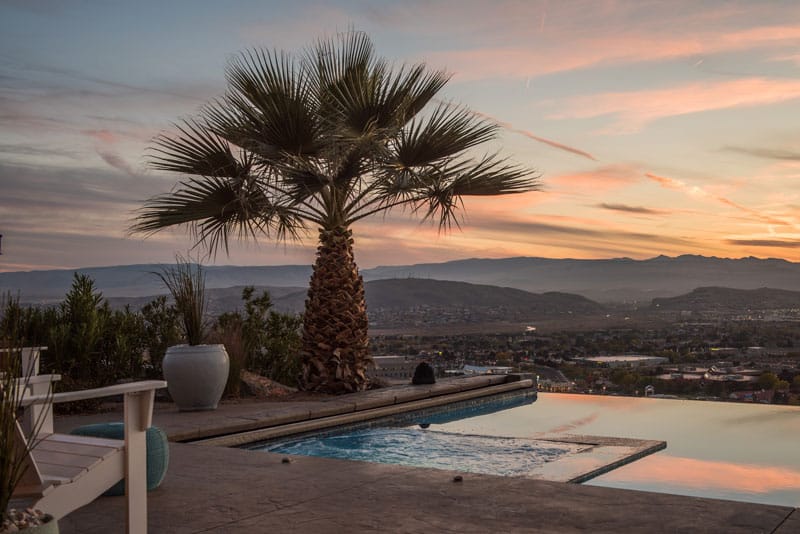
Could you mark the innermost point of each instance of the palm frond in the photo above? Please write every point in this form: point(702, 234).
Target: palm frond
point(268, 108)
point(216, 208)
point(446, 132)
point(196, 151)
point(442, 196)
point(490, 177)
point(359, 94)
point(437, 191)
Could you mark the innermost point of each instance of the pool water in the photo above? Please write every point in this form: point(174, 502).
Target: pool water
point(720, 450)
point(418, 447)
point(736, 451)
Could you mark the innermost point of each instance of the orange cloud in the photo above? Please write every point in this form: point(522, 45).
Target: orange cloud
point(635, 109)
point(699, 192)
point(603, 178)
point(702, 474)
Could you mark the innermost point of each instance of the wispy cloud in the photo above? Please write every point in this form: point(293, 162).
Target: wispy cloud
point(116, 161)
point(698, 192)
point(766, 153)
point(773, 243)
point(640, 210)
point(633, 110)
point(530, 135)
point(28, 150)
point(630, 34)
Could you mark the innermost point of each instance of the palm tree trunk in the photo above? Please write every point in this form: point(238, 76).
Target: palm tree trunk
point(335, 342)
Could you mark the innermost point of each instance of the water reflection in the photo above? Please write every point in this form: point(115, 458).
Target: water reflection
point(714, 449)
point(705, 474)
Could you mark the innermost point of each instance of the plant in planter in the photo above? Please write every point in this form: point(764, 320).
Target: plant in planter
point(195, 372)
point(13, 453)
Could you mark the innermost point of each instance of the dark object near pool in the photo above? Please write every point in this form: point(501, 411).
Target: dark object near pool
point(458, 478)
point(423, 374)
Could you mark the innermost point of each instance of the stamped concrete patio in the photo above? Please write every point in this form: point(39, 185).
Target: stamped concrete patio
point(220, 489)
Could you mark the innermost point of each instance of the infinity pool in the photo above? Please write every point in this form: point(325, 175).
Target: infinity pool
point(744, 452)
point(720, 450)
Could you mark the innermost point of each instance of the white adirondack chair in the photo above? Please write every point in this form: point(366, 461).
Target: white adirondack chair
point(66, 472)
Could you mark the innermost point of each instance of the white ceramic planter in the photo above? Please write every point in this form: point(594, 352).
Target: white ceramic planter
point(196, 375)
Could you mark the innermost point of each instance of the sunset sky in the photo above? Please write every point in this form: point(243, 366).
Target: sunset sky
point(658, 127)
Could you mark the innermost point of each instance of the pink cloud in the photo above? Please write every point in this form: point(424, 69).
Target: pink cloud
point(547, 54)
point(635, 109)
point(603, 178)
point(104, 136)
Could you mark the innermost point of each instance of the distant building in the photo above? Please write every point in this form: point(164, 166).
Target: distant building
point(487, 370)
point(393, 367)
point(633, 360)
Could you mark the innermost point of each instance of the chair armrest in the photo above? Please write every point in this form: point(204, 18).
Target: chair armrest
point(108, 391)
point(38, 379)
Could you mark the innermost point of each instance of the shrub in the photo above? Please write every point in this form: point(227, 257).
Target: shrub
point(271, 340)
point(162, 330)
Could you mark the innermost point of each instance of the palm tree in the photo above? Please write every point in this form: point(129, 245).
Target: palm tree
point(323, 141)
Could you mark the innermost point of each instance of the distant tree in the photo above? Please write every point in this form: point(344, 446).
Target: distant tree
point(76, 338)
point(768, 380)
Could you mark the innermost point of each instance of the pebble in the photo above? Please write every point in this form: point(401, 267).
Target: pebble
point(21, 519)
point(286, 461)
point(458, 478)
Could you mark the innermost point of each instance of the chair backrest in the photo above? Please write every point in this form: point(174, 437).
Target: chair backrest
point(30, 360)
point(31, 479)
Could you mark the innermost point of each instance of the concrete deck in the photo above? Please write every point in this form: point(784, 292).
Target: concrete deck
point(218, 489)
point(213, 489)
point(232, 418)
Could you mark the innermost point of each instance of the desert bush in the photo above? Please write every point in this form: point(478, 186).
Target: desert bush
point(122, 346)
point(162, 330)
point(271, 340)
point(229, 333)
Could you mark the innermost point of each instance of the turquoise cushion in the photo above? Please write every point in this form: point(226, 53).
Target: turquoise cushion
point(157, 451)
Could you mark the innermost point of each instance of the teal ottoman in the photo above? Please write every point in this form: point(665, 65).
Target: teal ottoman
point(157, 452)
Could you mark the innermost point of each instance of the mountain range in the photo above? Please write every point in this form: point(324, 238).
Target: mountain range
point(605, 280)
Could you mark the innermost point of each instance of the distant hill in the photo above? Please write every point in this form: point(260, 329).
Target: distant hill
point(221, 300)
point(609, 280)
point(409, 293)
point(388, 298)
point(727, 299)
